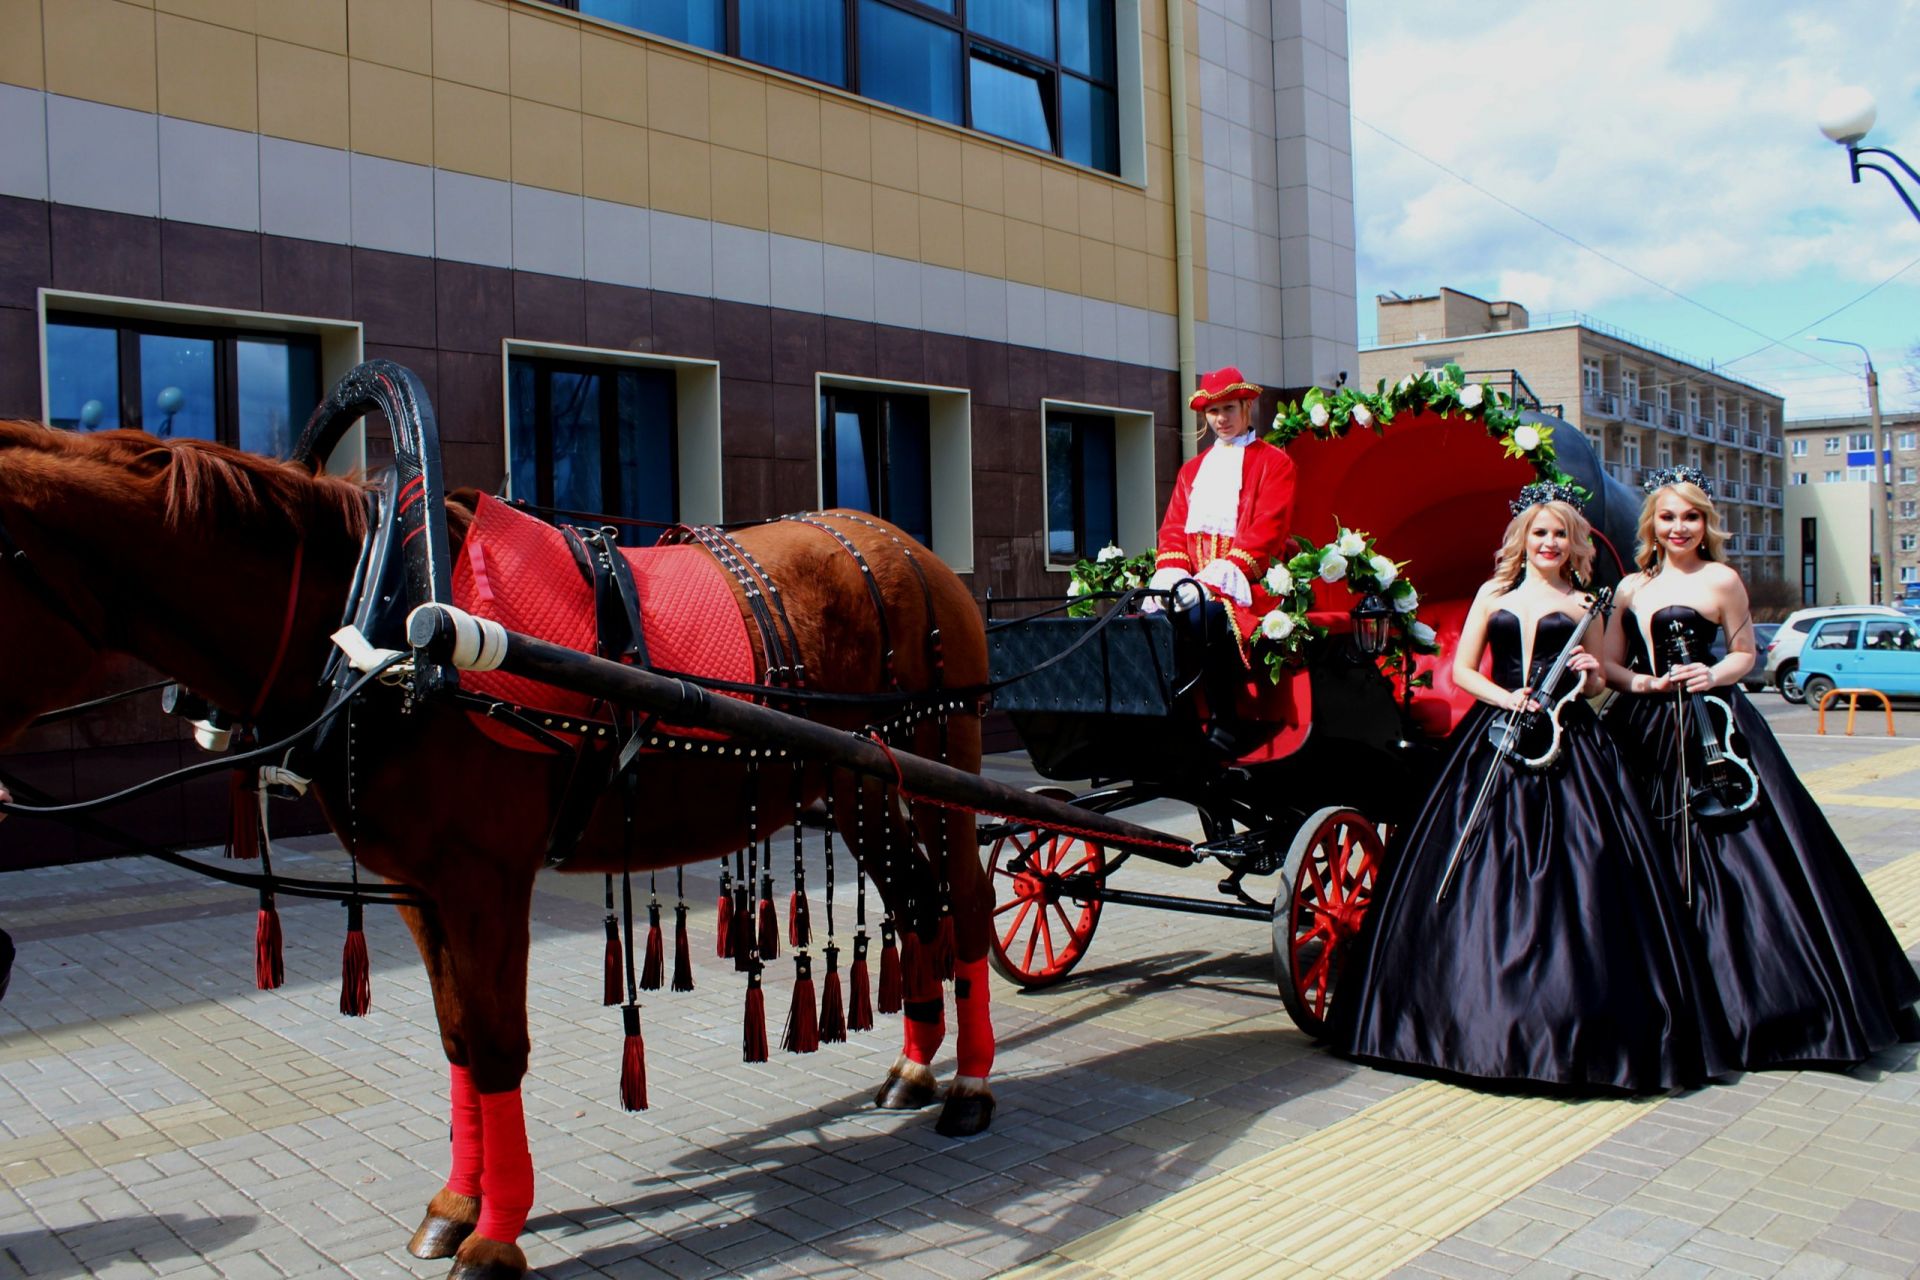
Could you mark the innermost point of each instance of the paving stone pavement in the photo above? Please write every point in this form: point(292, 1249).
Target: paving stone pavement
point(160, 1117)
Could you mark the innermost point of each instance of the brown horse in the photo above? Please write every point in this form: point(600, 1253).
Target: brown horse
point(182, 554)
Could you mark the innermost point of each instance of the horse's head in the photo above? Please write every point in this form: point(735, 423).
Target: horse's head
point(178, 552)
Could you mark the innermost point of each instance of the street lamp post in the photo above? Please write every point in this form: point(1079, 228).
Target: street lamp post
point(1882, 472)
point(1846, 117)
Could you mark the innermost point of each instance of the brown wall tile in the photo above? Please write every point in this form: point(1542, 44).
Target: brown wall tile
point(26, 250)
point(477, 466)
point(799, 347)
point(549, 308)
point(473, 307)
point(749, 489)
point(946, 360)
point(1100, 381)
point(306, 278)
point(796, 485)
point(393, 297)
point(987, 372)
point(425, 363)
point(210, 266)
point(1066, 377)
point(19, 363)
point(96, 252)
point(850, 347)
point(746, 418)
point(899, 353)
point(796, 424)
point(1026, 377)
point(742, 340)
point(619, 318)
point(683, 325)
point(470, 402)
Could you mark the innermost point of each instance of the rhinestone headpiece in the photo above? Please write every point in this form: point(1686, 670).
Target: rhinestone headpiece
point(1549, 491)
point(1660, 479)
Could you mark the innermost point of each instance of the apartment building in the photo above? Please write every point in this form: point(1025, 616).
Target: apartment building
point(1839, 451)
point(1644, 405)
point(700, 260)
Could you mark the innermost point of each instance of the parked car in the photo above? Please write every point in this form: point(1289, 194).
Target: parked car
point(1862, 653)
point(1783, 655)
point(1756, 678)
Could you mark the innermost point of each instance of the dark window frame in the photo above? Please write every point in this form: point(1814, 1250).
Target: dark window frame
point(1076, 420)
point(543, 367)
point(129, 329)
point(1054, 71)
point(871, 406)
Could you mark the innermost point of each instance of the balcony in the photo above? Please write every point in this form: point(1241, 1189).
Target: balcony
point(1701, 428)
point(1729, 434)
point(1775, 544)
point(1775, 446)
point(1773, 498)
point(1601, 403)
point(1674, 420)
point(1638, 411)
point(1625, 473)
point(1736, 543)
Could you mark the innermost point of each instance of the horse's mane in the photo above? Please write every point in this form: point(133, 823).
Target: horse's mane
point(206, 483)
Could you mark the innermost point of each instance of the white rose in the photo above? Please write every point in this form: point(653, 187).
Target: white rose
point(1526, 438)
point(1278, 581)
point(1361, 415)
point(1111, 552)
point(1318, 415)
point(1423, 633)
point(1333, 568)
point(1408, 602)
point(1383, 571)
point(1471, 395)
point(1349, 543)
point(1277, 625)
point(1076, 588)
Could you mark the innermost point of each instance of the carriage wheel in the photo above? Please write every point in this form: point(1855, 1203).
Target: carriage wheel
point(1039, 934)
point(1326, 886)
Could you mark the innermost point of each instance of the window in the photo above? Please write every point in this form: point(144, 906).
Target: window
point(1745, 419)
point(1693, 403)
point(252, 390)
point(1693, 456)
point(1910, 573)
point(1909, 509)
point(1859, 473)
point(1859, 440)
point(1746, 469)
point(1590, 379)
point(1630, 451)
point(1664, 399)
point(1719, 409)
point(1799, 448)
point(1798, 477)
point(1044, 73)
point(1809, 564)
point(875, 452)
point(1630, 384)
point(1082, 499)
point(1766, 420)
point(1666, 453)
point(1908, 541)
point(594, 438)
point(1889, 633)
point(1831, 477)
point(1833, 444)
point(1907, 475)
point(1906, 439)
point(1837, 635)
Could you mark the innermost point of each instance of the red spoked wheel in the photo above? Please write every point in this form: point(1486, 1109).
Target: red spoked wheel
point(1040, 931)
point(1326, 886)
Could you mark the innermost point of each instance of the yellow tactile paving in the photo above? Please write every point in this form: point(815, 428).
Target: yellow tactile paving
point(1857, 772)
point(1358, 1198)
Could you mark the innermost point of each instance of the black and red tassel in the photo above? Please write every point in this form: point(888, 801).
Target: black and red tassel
point(803, 1023)
point(723, 915)
point(769, 921)
point(860, 1016)
point(654, 969)
point(833, 1016)
point(269, 970)
point(633, 1063)
point(753, 1037)
point(890, 985)
point(356, 974)
point(799, 920)
point(611, 987)
point(682, 951)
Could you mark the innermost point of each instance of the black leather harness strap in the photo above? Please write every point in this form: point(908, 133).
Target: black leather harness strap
point(873, 589)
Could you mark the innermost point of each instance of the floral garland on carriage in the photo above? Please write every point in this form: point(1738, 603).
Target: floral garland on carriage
point(1286, 632)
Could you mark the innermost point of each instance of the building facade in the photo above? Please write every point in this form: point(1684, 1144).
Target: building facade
point(1831, 534)
point(1642, 405)
point(1839, 451)
point(704, 261)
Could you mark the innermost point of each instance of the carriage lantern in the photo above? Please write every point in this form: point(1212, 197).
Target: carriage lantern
point(1370, 621)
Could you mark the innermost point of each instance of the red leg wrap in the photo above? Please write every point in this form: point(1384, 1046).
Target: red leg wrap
point(463, 1179)
point(973, 1031)
point(926, 1027)
point(508, 1178)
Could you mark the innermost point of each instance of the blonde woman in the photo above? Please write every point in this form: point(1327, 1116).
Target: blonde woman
point(1559, 956)
point(1809, 971)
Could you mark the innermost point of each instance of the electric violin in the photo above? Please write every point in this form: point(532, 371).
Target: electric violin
point(1532, 737)
point(1726, 784)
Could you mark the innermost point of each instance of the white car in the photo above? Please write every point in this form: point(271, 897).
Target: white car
point(1783, 655)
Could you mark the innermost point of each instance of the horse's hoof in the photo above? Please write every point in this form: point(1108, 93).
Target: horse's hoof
point(449, 1221)
point(483, 1259)
point(969, 1110)
point(910, 1086)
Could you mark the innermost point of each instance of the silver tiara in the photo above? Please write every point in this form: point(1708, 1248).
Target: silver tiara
point(1657, 480)
point(1549, 491)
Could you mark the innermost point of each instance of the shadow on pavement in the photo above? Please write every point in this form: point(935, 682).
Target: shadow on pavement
point(84, 1250)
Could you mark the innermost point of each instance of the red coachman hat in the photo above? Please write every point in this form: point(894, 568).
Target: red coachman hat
point(1221, 386)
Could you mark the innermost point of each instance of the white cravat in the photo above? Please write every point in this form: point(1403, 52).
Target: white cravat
point(1214, 505)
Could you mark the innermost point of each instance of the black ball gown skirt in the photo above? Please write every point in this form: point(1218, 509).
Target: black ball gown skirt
point(1561, 959)
point(1809, 971)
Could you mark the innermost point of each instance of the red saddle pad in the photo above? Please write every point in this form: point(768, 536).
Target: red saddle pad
point(517, 571)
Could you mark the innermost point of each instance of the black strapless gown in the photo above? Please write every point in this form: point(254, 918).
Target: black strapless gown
point(1561, 958)
point(1809, 971)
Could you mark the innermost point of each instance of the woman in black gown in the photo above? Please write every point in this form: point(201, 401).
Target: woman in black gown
point(1560, 957)
point(1809, 973)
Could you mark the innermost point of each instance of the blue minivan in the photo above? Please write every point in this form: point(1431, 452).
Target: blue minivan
point(1861, 653)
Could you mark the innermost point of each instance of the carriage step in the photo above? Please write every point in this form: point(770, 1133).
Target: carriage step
point(1251, 853)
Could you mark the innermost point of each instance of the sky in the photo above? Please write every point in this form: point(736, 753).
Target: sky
point(1655, 164)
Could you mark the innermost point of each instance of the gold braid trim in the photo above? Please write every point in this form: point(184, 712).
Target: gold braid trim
point(1239, 641)
point(1243, 557)
point(1165, 556)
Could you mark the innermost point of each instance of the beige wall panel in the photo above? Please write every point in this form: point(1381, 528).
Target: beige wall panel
point(206, 73)
point(101, 50)
point(942, 234)
point(1158, 121)
point(613, 160)
point(793, 125)
point(676, 95)
point(472, 130)
point(1062, 257)
point(737, 111)
point(896, 151)
point(21, 59)
point(740, 188)
point(982, 178)
point(317, 24)
point(1159, 229)
point(1026, 253)
point(1163, 285)
point(1160, 178)
point(1131, 285)
point(303, 93)
point(1022, 189)
point(794, 199)
point(846, 140)
point(390, 112)
point(939, 166)
point(613, 77)
point(546, 146)
point(470, 44)
point(1153, 63)
point(1096, 268)
point(1096, 209)
point(1129, 219)
point(896, 222)
point(1060, 199)
point(236, 15)
point(677, 175)
point(846, 211)
point(394, 33)
point(543, 59)
point(986, 242)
